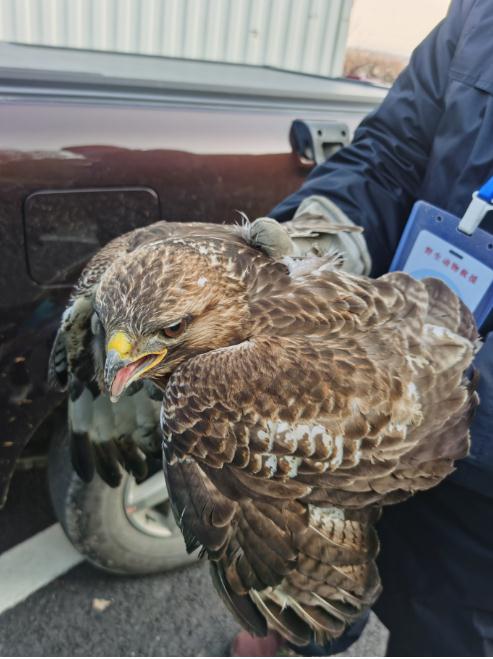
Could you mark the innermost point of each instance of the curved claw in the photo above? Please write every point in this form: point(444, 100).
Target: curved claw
point(81, 456)
point(132, 459)
point(107, 462)
point(106, 459)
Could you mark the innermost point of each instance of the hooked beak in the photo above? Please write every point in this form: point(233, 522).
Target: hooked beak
point(121, 369)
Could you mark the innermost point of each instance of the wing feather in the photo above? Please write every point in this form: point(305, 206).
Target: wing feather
point(313, 450)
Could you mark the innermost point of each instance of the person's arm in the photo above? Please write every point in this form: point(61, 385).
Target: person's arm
point(375, 180)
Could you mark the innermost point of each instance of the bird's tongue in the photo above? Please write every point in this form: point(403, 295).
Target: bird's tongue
point(123, 376)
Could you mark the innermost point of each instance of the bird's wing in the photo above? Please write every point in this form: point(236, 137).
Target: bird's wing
point(306, 568)
point(106, 436)
point(307, 437)
point(344, 412)
point(297, 569)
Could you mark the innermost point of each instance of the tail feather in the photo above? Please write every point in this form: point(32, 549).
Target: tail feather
point(285, 621)
point(446, 309)
point(241, 606)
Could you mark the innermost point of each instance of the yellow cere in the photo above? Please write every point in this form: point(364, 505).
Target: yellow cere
point(120, 343)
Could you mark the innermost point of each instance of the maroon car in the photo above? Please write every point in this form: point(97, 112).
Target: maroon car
point(96, 144)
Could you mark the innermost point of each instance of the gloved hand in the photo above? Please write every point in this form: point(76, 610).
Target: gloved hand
point(318, 227)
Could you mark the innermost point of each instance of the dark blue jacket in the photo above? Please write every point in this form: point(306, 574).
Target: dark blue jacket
point(431, 139)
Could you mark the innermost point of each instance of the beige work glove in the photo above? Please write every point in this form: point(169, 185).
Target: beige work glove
point(318, 227)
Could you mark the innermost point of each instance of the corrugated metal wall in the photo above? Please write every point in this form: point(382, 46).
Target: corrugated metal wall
point(301, 35)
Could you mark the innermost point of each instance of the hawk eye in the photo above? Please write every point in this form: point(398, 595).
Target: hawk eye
point(172, 331)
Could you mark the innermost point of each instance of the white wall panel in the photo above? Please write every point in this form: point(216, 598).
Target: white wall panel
point(299, 35)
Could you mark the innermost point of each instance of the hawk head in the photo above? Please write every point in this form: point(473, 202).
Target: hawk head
point(165, 302)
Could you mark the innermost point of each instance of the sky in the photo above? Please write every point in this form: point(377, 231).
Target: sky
point(394, 26)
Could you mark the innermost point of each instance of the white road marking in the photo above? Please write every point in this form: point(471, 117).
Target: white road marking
point(32, 564)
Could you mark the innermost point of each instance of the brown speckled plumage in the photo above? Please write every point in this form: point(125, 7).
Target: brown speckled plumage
point(299, 400)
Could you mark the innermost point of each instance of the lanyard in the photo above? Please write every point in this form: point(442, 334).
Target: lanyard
point(482, 203)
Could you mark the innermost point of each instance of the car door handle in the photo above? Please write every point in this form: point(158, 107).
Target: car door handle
point(315, 141)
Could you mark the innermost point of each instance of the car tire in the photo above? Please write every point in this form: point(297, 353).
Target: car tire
point(95, 519)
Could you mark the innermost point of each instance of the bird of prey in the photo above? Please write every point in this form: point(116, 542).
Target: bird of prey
point(295, 401)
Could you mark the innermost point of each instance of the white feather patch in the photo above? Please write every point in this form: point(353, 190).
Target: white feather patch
point(339, 452)
point(271, 464)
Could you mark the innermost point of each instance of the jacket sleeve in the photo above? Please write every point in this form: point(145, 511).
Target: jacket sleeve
point(376, 179)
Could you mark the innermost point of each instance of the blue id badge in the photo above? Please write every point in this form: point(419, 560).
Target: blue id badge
point(438, 244)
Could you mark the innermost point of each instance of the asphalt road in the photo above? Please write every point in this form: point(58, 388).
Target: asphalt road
point(171, 614)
